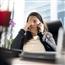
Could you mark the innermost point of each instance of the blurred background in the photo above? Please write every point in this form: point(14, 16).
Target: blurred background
point(18, 11)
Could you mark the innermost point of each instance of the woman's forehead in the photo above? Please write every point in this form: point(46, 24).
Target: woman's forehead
point(33, 17)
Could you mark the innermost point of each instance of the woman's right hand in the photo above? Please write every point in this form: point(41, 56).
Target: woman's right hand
point(27, 26)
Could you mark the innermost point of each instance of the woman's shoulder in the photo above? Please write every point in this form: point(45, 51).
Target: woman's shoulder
point(48, 34)
point(21, 30)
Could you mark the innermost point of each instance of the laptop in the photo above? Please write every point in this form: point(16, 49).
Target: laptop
point(47, 55)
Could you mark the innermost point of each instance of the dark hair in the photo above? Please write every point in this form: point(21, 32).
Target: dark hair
point(37, 15)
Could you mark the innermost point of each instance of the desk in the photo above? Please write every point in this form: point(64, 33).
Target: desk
point(9, 56)
point(20, 61)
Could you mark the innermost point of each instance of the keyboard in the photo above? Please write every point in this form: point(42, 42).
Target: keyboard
point(46, 55)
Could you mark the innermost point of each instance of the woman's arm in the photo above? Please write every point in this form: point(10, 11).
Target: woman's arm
point(18, 41)
point(48, 38)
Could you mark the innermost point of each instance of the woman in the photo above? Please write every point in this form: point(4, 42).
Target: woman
point(34, 37)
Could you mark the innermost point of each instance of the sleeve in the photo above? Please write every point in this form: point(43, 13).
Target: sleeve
point(16, 44)
point(48, 38)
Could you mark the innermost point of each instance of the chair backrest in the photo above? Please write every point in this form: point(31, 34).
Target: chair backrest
point(53, 27)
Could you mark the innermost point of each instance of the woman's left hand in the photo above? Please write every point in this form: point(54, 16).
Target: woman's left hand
point(41, 27)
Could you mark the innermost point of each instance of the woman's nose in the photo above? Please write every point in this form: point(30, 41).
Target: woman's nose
point(33, 23)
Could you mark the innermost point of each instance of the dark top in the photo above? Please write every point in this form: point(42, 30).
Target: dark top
point(23, 37)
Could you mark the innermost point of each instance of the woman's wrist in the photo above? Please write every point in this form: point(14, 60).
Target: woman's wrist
point(25, 28)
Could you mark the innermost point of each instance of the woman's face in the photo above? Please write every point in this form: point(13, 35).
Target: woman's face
point(34, 21)
point(35, 24)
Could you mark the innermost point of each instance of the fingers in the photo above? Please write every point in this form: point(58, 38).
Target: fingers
point(27, 26)
point(41, 27)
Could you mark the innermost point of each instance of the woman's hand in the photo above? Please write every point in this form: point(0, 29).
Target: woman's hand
point(41, 27)
point(27, 26)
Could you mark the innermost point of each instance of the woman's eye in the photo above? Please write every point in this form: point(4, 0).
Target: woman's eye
point(34, 21)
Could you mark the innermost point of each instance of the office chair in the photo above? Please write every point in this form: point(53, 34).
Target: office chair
point(53, 28)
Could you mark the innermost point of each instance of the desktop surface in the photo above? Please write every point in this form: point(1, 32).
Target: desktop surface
point(22, 61)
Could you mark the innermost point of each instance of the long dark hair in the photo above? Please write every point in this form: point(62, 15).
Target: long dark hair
point(40, 19)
